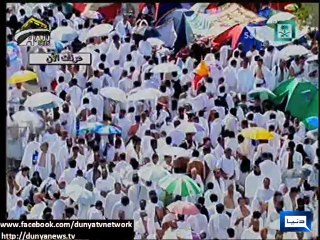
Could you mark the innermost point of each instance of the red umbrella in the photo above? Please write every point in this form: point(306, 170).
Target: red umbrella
point(183, 208)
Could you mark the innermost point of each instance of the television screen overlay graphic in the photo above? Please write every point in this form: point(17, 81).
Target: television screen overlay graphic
point(295, 221)
point(60, 59)
point(33, 33)
point(285, 31)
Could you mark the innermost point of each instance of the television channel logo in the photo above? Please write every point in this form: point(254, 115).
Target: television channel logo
point(295, 221)
point(285, 31)
point(33, 33)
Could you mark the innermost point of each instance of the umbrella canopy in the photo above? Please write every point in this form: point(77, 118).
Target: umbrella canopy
point(165, 68)
point(22, 76)
point(293, 50)
point(257, 133)
point(190, 127)
point(113, 93)
point(99, 30)
point(301, 98)
point(64, 34)
point(145, 94)
point(183, 208)
point(25, 118)
point(312, 123)
point(42, 99)
point(107, 130)
point(79, 194)
point(180, 184)
point(152, 173)
point(280, 16)
point(313, 58)
point(173, 151)
point(89, 127)
point(155, 42)
point(262, 93)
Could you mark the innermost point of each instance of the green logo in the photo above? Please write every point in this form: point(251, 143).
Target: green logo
point(285, 31)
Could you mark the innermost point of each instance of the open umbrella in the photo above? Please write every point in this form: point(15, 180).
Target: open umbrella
point(173, 151)
point(190, 127)
point(257, 133)
point(25, 118)
point(22, 76)
point(64, 34)
point(180, 184)
point(145, 94)
point(293, 50)
point(165, 68)
point(43, 99)
point(280, 16)
point(262, 93)
point(113, 93)
point(152, 173)
point(312, 123)
point(155, 42)
point(183, 208)
point(313, 58)
point(99, 30)
point(107, 130)
point(89, 127)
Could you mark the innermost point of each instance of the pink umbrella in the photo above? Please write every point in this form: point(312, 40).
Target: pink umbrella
point(183, 208)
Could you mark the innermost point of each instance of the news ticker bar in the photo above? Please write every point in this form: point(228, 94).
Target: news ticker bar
point(60, 59)
point(67, 229)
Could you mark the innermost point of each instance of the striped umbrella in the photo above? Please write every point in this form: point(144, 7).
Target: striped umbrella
point(180, 184)
point(107, 130)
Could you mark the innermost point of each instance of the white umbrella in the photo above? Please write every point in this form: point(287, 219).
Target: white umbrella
point(173, 151)
point(281, 16)
point(152, 173)
point(79, 194)
point(190, 127)
point(24, 118)
point(165, 68)
point(313, 58)
point(155, 42)
point(293, 50)
point(113, 93)
point(42, 98)
point(99, 30)
point(145, 94)
point(64, 34)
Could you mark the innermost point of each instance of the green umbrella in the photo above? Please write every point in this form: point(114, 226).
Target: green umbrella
point(262, 93)
point(180, 184)
point(302, 98)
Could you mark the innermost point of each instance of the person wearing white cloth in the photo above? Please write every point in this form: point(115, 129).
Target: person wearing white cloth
point(85, 206)
point(69, 173)
point(105, 183)
point(112, 198)
point(281, 72)
point(231, 75)
point(123, 28)
point(272, 170)
point(218, 224)
point(230, 197)
point(96, 212)
point(229, 166)
point(47, 162)
point(124, 205)
point(238, 216)
point(290, 199)
point(253, 181)
point(75, 93)
point(17, 210)
point(198, 222)
point(58, 207)
point(79, 179)
point(225, 53)
point(253, 232)
point(245, 78)
point(265, 193)
point(137, 192)
point(31, 152)
point(145, 47)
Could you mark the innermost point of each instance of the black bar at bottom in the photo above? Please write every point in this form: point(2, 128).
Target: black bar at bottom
point(66, 230)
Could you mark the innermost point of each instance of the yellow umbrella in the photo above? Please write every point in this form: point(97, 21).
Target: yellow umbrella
point(257, 133)
point(22, 76)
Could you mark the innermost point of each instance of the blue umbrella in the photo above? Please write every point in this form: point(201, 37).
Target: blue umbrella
point(107, 130)
point(312, 122)
point(89, 127)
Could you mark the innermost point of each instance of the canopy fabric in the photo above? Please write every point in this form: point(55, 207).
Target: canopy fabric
point(108, 10)
point(228, 16)
point(181, 27)
point(302, 98)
